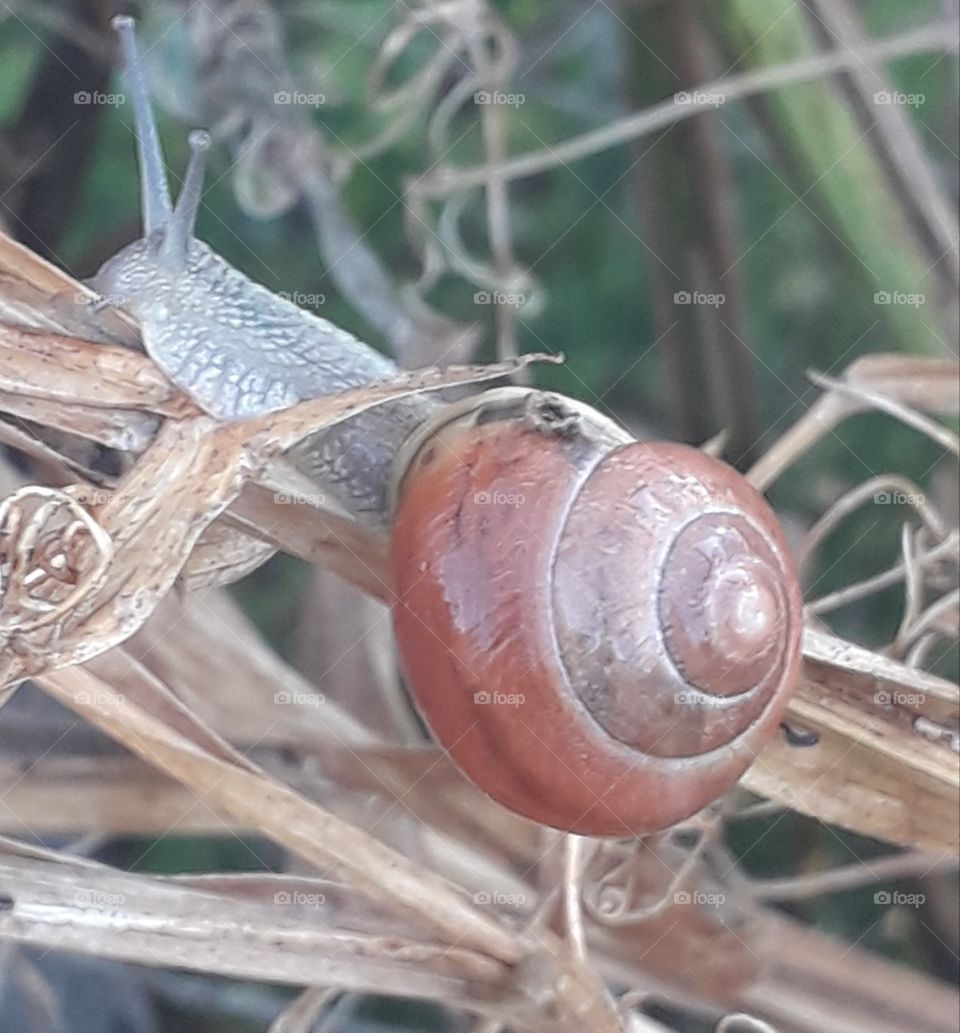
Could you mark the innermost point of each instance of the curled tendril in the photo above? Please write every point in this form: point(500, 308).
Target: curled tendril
point(472, 44)
point(613, 897)
point(607, 898)
point(52, 554)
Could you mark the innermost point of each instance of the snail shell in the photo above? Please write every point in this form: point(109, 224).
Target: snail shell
point(601, 633)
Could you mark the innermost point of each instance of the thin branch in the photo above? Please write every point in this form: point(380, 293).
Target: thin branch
point(938, 37)
point(947, 549)
point(877, 400)
point(914, 864)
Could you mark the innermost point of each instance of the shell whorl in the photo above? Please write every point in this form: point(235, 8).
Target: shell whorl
point(672, 574)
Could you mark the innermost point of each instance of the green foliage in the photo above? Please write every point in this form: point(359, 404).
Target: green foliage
point(829, 151)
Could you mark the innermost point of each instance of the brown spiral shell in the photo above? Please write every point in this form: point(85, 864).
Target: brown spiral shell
point(602, 633)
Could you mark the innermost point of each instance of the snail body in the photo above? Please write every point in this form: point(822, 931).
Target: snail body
point(601, 633)
point(236, 348)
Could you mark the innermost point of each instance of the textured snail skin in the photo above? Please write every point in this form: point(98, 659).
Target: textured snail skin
point(234, 347)
point(602, 640)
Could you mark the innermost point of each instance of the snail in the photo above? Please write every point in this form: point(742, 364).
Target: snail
point(600, 632)
point(236, 348)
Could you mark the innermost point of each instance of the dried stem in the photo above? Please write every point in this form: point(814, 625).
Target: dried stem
point(937, 37)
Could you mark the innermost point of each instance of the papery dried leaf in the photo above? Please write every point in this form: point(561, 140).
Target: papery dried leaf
point(114, 795)
point(345, 852)
point(314, 533)
point(131, 681)
point(155, 922)
point(932, 385)
point(365, 678)
point(928, 384)
point(34, 294)
point(151, 522)
point(122, 429)
point(223, 554)
point(59, 468)
point(871, 398)
point(218, 664)
point(53, 553)
point(856, 673)
point(871, 770)
point(82, 372)
point(193, 470)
